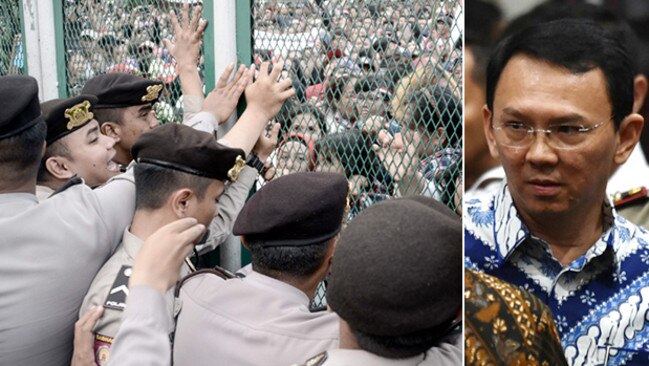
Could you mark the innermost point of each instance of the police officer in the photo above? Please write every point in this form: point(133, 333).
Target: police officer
point(50, 250)
point(290, 226)
point(396, 283)
point(75, 146)
point(188, 169)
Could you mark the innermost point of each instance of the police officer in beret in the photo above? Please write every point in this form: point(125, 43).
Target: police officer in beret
point(75, 146)
point(290, 226)
point(396, 283)
point(124, 108)
point(188, 169)
point(50, 250)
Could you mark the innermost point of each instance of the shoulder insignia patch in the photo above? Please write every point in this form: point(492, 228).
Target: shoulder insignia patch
point(102, 349)
point(119, 290)
point(634, 195)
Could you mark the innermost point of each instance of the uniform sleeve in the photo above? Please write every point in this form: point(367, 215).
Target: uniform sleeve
point(202, 121)
point(229, 206)
point(143, 337)
point(116, 201)
point(192, 104)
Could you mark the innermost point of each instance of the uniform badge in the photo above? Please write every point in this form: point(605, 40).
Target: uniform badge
point(317, 360)
point(102, 349)
point(239, 164)
point(78, 114)
point(119, 290)
point(152, 93)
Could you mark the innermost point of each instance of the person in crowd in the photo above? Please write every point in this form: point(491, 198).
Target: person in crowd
point(549, 228)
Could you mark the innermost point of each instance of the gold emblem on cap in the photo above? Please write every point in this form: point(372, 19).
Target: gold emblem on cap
point(78, 114)
point(152, 92)
point(238, 166)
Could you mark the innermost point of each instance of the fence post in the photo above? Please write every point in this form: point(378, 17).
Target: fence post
point(40, 46)
point(221, 41)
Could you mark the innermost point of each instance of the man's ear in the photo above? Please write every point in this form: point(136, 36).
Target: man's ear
point(627, 135)
point(640, 85)
point(489, 131)
point(181, 202)
point(59, 167)
point(112, 130)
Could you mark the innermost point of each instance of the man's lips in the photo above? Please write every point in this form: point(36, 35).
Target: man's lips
point(544, 187)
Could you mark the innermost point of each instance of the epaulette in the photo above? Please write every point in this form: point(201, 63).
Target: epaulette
point(634, 195)
point(317, 360)
point(68, 183)
point(118, 293)
point(217, 271)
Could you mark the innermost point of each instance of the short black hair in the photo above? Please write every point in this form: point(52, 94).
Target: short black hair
point(401, 346)
point(577, 45)
point(20, 154)
point(154, 184)
point(438, 107)
point(57, 148)
point(108, 115)
point(279, 262)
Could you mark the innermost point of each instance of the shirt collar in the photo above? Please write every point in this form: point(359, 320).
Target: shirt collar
point(289, 292)
point(510, 232)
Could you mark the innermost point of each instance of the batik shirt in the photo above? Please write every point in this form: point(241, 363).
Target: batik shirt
point(600, 301)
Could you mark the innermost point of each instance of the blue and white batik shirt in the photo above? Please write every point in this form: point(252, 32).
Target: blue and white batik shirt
point(600, 299)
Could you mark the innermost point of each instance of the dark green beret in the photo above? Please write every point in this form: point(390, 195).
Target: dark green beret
point(185, 149)
point(295, 209)
point(19, 104)
point(121, 90)
point(64, 116)
point(397, 269)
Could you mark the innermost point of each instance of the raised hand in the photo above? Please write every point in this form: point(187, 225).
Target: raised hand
point(222, 101)
point(188, 37)
point(266, 95)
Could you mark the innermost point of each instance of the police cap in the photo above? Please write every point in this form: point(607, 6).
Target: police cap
point(397, 269)
point(120, 90)
point(185, 149)
point(19, 104)
point(64, 116)
point(294, 210)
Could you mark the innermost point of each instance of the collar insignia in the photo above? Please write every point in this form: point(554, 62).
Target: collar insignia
point(152, 93)
point(238, 166)
point(78, 114)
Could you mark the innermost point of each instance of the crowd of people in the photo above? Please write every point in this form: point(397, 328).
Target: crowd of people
point(362, 74)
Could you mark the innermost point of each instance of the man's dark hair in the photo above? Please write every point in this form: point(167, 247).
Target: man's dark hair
point(438, 107)
point(108, 115)
point(402, 346)
point(20, 155)
point(577, 45)
point(57, 148)
point(154, 184)
point(288, 261)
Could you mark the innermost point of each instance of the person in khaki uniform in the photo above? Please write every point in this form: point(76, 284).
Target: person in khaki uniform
point(188, 169)
point(50, 250)
point(75, 146)
point(396, 283)
point(290, 226)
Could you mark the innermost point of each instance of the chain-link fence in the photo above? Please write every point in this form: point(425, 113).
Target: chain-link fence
point(12, 47)
point(378, 93)
point(107, 36)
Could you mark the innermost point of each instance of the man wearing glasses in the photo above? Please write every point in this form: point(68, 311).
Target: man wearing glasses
point(559, 119)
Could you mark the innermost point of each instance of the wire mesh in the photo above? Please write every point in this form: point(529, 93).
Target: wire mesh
point(378, 94)
point(12, 54)
point(110, 36)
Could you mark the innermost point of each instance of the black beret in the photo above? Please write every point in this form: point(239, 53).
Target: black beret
point(19, 104)
point(119, 90)
point(64, 116)
point(185, 149)
point(397, 269)
point(295, 209)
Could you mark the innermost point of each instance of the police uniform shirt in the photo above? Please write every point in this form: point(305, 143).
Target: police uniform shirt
point(256, 320)
point(43, 192)
point(50, 253)
point(110, 290)
point(356, 357)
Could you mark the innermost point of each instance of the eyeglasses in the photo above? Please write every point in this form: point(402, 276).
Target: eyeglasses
point(567, 136)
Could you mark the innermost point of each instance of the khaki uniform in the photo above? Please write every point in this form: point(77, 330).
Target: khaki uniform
point(256, 320)
point(143, 337)
point(49, 254)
